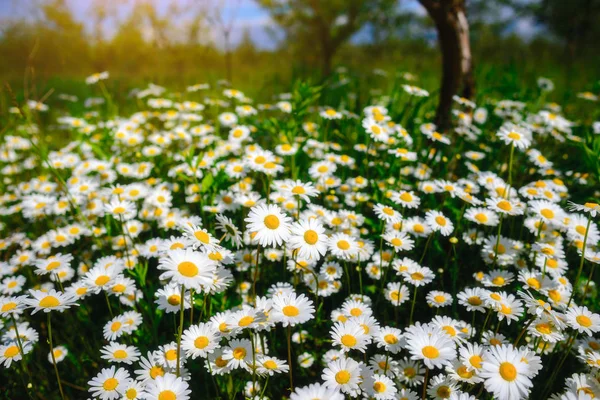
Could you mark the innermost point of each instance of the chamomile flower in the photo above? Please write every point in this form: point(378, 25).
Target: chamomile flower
point(504, 373)
point(343, 374)
point(188, 267)
point(434, 347)
point(515, 136)
point(291, 309)
point(316, 391)
point(439, 223)
point(308, 236)
point(48, 301)
point(350, 336)
point(115, 352)
point(200, 340)
point(168, 387)
point(109, 382)
point(583, 320)
point(270, 225)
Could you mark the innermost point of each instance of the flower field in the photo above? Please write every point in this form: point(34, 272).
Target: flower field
point(205, 245)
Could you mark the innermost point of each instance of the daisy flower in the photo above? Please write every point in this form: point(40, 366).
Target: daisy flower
point(199, 340)
point(238, 353)
point(380, 387)
point(109, 382)
point(434, 347)
point(270, 225)
point(418, 276)
point(505, 206)
point(386, 213)
point(390, 339)
point(438, 222)
point(271, 365)
point(115, 352)
point(291, 309)
point(10, 352)
point(60, 353)
point(350, 336)
point(482, 216)
point(343, 246)
point(399, 241)
point(343, 374)
point(48, 301)
point(302, 190)
point(505, 375)
point(188, 267)
point(316, 391)
point(546, 211)
point(583, 320)
point(590, 208)
point(169, 299)
point(308, 236)
point(115, 328)
point(438, 299)
point(515, 136)
point(167, 387)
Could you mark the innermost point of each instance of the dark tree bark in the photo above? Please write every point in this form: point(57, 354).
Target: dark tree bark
point(452, 28)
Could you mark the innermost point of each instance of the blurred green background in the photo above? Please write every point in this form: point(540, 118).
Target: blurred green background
point(57, 43)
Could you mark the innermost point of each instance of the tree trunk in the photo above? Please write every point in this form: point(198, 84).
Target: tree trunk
point(457, 66)
point(326, 58)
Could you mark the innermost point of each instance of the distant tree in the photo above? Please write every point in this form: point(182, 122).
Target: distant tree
point(325, 25)
point(452, 26)
point(224, 23)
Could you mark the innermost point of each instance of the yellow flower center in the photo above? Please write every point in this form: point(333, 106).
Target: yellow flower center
point(156, 371)
point(49, 301)
point(481, 217)
point(9, 306)
point(508, 372)
point(202, 236)
point(343, 244)
point(348, 340)
point(390, 339)
point(475, 361)
point(167, 395)
point(270, 364)
point(239, 353)
point(430, 352)
point(417, 276)
point(110, 384)
point(504, 205)
point(174, 300)
point(584, 321)
point(187, 269)
point(201, 342)
point(290, 311)
point(441, 221)
point(379, 387)
point(102, 280)
point(245, 321)
point(544, 328)
point(342, 377)
point(271, 221)
point(474, 301)
point(11, 351)
point(311, 237)
point(120, 354)
point(547, 213)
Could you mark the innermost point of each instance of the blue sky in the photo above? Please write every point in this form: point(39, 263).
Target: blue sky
point(246, 14)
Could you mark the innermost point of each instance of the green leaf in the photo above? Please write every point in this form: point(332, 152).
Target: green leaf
point(207, 182)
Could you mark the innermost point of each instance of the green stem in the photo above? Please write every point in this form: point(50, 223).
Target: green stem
point(181, 307)
point(62, 395)
point(587, 229)
point(412, 307)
